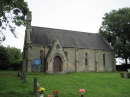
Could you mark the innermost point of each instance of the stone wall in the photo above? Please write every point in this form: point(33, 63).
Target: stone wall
point(76, 59)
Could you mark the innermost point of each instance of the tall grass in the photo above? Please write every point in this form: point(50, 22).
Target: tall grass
point(96, 84)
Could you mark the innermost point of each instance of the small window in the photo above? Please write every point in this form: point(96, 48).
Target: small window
point(57, 46)
point(86, 59)
point(104, 59)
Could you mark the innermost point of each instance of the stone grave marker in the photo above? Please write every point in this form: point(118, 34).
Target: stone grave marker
point(18, 74)
point(125, 74)
point(21, 75)
point(37, 88)
point(34, 87)
point(24, 78)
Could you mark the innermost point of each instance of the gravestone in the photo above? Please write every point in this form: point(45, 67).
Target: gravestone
point(34, 88)
point(18, 74)
point(125, 74)
point(37, 88)
point(21, 75)
point(24, 78)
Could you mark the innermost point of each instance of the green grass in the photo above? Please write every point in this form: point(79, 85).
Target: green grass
point(96, 84)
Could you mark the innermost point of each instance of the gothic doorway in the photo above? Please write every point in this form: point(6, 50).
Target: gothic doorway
point(57, 64)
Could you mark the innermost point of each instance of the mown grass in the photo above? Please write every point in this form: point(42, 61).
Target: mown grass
point(96, 84)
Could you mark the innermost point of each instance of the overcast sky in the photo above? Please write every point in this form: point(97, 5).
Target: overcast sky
point(78, 15)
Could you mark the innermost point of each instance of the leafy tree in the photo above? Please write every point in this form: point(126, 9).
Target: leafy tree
point(9, 55)
point(4, 59)
point(116, 30)
point(12, 12)
point(15, 55)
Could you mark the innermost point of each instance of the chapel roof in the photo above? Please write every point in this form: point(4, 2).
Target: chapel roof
point(72, 39)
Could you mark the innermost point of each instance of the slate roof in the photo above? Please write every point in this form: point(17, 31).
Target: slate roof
point(74, 39)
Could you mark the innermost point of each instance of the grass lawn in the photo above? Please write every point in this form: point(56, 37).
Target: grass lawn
point(96, 84)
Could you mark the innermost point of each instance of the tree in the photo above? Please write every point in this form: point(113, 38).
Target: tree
point(12, 13)
point(9, 56)
point(4, 59)
point(116, 30)
point(14, 54)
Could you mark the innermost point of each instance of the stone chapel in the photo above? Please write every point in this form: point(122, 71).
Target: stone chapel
point(62, 51)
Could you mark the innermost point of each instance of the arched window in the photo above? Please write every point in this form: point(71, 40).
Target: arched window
point(41, 56)
point(66, 54)
point(86, 59)
point(104, 59)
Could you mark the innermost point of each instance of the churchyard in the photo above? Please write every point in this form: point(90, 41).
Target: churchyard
point(101, 84)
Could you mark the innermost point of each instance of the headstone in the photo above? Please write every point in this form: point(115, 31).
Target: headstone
point(21, 75)
point(37, 88)
point(35, 82)
point(18, 74)
point(125, 74)
point(24, 78)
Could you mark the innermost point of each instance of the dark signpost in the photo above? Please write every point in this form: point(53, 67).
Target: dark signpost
point(37, 63)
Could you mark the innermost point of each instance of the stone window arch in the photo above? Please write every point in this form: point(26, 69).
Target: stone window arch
point(104, 59)
point(41, 56)
point(86, 59)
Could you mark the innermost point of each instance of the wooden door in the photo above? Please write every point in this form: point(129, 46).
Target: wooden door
point(57, 64)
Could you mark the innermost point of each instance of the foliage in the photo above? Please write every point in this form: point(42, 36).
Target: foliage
point(10, 55)
point(4, 59)
point(128, 74)
point(12, 12)
point(105, 84)
point(15, 55)
point(122, 74)
point(116, 30)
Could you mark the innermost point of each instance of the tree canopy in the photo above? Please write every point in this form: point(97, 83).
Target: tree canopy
point(9, 55)
point(12, 13)
point(116, 30)
point(14, 54)
point(4, 59)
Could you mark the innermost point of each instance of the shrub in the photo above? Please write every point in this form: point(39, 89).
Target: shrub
point(122, 74)
point(128, 74)
point(10, 69)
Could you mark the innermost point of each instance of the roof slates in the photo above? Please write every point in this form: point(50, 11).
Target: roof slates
point(45, 36)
